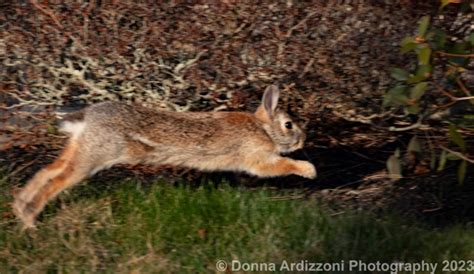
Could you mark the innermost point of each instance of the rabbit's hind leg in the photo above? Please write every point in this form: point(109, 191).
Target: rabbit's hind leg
point(45, 174)
point(72, 170)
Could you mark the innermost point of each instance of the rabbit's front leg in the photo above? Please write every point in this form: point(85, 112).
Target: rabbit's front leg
point(305, 169)
point(285, 166)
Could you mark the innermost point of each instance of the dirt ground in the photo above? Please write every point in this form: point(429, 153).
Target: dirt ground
point(330, 58)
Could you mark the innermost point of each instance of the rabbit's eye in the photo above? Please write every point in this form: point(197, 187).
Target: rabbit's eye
point(288, 125)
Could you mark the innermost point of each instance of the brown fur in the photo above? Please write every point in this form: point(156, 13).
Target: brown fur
point(75, 116)
point(110, 133)
point(33, 196)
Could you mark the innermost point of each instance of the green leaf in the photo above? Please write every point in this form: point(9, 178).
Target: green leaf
point(462, 171)
point(414, 145)
point(444, 3)
point(423, 26)
point(424, 55)
point(396, 96)
point(471, 39)
point(51, 129)
point(399, 74)
point(430, 35)
point(453, 157)
point(456, 137)
point(417, 91)
point(447, 2)
point(408, 44)
point(416, 79)
point(459, 48)
point(394, 167)
point(397, 153)
point(439, 39)
point(422, 73)
point(432, 159)
point(413, 109)
point(442, 160)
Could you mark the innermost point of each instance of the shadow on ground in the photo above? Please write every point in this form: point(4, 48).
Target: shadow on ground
point(347, 180)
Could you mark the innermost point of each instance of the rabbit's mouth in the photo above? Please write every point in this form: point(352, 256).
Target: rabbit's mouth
point(299, 141)
point(298, 144)
point(290, 147)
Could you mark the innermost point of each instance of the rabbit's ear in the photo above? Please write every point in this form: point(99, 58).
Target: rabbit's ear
point(266, 110)
point(270, 99)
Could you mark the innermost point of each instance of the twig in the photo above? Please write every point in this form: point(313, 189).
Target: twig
point(454, 98)
point(455, 54)
point(440, 89)
point(307, 67)
point(20, 169)
point(458, 154)
point(463, 88)
point(289, 33)
point(188, 63)
point(26, 103)
point(47, 12)
point(300, 23)
point(361, 119)
point(365, 157)
point(410, 127)
point(432, 209)
point(464, 98)
point(286, 198)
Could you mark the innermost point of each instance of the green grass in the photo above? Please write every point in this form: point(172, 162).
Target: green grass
point(163, 228)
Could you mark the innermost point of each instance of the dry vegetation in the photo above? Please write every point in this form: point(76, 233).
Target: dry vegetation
point(331, 58)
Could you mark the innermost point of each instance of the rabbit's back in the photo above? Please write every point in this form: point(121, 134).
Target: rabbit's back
point(194, 139)
point(193, 128)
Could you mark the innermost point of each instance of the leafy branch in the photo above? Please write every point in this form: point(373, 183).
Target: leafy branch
point(415, 94)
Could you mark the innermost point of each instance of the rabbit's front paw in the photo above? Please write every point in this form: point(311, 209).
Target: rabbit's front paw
point(306, 169)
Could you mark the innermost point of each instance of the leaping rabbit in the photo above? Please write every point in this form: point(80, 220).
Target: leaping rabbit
point(110, 133)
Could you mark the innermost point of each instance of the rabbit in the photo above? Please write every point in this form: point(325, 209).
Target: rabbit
point(110, 133)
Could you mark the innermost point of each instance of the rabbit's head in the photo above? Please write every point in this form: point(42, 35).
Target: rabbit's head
point(285, 134)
